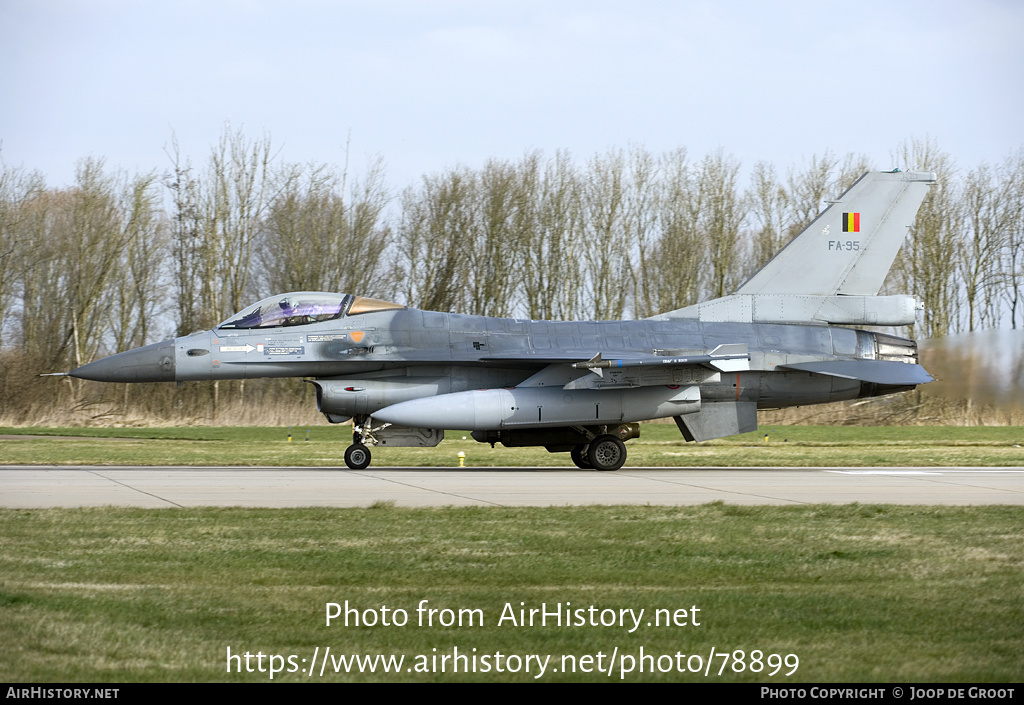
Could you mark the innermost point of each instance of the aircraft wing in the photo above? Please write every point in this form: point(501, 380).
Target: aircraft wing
point(564, 369)
point(724, 356)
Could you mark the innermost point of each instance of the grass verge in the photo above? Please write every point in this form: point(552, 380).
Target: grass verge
point(659, 445)
point(857, 593)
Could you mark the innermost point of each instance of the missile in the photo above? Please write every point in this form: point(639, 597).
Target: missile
point(727, 358)
point(492, 409)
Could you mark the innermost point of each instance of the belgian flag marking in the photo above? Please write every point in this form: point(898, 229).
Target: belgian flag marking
point(851, 222)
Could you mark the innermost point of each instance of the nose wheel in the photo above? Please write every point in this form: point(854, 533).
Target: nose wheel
point(357, 456)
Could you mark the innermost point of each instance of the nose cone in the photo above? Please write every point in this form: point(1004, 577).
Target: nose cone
point(152, 363)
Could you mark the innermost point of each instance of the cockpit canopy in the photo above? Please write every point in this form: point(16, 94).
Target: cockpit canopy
point(302, 308)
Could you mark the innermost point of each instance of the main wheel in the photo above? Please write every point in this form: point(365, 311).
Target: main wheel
point(357, 456)
point(579, 457)
point(606, 453)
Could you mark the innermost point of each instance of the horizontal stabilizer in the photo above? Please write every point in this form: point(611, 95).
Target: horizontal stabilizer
point(887, 372)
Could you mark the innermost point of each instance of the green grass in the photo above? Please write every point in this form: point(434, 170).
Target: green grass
point(659, 445)
point(857, 593)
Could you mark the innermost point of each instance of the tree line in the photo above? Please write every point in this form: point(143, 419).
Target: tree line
point(116, 260)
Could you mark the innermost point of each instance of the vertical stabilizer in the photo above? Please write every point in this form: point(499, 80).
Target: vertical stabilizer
point(851, 245)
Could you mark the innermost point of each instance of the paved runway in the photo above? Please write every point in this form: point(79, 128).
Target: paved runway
point(77, 486)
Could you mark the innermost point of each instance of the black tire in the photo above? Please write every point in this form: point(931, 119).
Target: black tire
point(579, 457)
point(606, 453)
point(357, 456)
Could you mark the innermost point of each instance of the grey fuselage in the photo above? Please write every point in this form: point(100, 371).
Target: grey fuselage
point(581, 386)
point(366, 362)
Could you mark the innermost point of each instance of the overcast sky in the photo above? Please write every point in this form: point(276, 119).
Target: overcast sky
point(427, 85)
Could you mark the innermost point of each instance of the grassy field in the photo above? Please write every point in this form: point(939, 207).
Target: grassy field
point(849, 593)
point(659, 445)
point(824, 593)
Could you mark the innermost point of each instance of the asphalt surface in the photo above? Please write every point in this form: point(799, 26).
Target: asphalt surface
point(78, 486)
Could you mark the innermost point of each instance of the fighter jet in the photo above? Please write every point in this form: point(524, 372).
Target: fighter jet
point(403, 376)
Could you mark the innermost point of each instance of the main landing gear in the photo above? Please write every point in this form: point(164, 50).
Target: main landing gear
point(601, 449)
point(603, 453)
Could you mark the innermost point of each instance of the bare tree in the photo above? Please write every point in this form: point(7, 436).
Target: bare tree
point(216, 219)
point(81, 235)
point(501, 224)
point(987, 221)
point(1013, 250)
point(368, 235)
point(322, 234)
point(720, 218)
point(138, 292)
point(679, 266)
point(927, 264)
point(552, 275)
point(431, 242)
point(769, 206)
point(17, 248)
point(640, 227)
point(187, 238)
point(607, 251)
point(42, 316)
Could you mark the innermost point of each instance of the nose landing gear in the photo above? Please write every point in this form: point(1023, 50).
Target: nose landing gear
point(357, 455)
